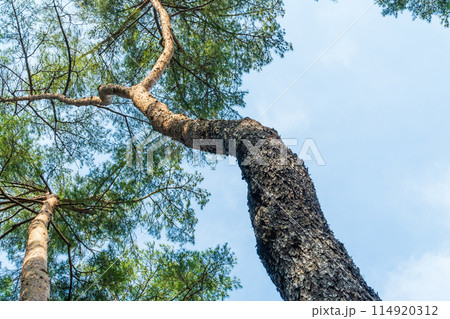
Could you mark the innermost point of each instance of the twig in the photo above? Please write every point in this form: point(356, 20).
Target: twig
point(17, 202)
point(12, 216)
point(69, 72)
point(22, 44)
point(46, 184)
point(13, 227)
point(69, 297)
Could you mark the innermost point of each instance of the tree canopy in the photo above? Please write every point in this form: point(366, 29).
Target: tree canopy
point(422, 9)
point(93, 252)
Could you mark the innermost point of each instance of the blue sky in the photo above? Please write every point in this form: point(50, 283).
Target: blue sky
point(377, 107)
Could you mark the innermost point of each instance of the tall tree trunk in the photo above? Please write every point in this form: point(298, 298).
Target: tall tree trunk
point(299, 251)
point(35, 283)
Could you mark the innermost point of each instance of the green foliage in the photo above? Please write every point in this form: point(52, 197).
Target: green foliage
point(109, 206)
point(118, 41)
point(8, 286)
point(152, 274)
point(423, 9)
point(72, 47)
point(16, 147)
point(220, 43)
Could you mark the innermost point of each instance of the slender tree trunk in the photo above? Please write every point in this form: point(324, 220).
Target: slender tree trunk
point(35, 283)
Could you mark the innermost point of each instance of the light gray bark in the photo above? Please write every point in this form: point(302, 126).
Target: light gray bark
point(34, 280)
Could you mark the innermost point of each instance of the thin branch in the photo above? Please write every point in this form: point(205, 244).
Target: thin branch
point(46, 184)
point(17, 202)
point(10, 155)
point(23, 186)
point(22, 44)
point(121, 30)
point(55, 116)
point(13, 227)
point(200, 7)
point(121, 114)
point(142, 291)
point(15, 214)
point(75, 234)
point(7, 207)
point(69, 71)
point(13, 72)
point(125, 26)
point(69, 297)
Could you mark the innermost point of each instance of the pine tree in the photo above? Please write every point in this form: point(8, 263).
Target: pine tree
point(72, 236)
point(81, 73)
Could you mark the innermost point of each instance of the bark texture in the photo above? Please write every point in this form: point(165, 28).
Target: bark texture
point(299, 251)
point(34, 281)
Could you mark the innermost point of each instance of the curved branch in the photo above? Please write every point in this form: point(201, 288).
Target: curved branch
point(164, 59)
point(104, 98)
point(106, 91)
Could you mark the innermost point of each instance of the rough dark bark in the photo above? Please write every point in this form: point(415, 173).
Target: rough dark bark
point(34, 280)
point(299, 251)
point(301, 255)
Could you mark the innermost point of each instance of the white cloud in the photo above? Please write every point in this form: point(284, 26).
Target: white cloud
point(426, 276)
point(423, 278)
